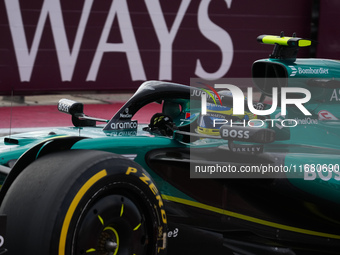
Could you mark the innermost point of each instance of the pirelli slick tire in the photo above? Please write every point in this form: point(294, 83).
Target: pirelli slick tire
point(84, 202)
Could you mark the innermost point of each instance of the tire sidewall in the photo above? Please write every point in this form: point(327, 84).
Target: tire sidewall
point(52, 194)
point(124, 175)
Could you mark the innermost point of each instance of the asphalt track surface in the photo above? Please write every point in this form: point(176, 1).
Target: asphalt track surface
point(18, 119)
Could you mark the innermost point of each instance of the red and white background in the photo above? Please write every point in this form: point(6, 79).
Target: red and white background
point(112, 46)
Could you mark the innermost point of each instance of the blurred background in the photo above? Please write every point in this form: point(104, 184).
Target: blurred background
point(103, 50)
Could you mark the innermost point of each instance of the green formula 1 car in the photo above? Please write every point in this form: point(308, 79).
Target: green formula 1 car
point(212, 173)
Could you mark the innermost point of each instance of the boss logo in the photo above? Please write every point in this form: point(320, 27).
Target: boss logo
point(241, 134)
point(247, 134)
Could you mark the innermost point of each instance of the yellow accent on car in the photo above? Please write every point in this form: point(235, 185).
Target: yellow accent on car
point(137, 227)
point(117, 238)
point(101, 220)
point(285, 41)
point(121, 210)
point(208, 131)
point(91, 250)
point(304, 43)
point(73, 206)
point(249, 218)
point(211, 95)
point(271, 39)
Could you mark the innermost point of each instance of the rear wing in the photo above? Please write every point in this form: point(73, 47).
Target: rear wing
point(285, 47)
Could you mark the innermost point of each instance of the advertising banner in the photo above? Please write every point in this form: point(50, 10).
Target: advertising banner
point(52, 46)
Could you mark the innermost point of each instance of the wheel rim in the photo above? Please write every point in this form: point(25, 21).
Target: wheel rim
point(114, 224)
point(108, 242)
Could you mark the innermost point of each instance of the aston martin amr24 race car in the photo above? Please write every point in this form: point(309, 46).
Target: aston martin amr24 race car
point(200, 178)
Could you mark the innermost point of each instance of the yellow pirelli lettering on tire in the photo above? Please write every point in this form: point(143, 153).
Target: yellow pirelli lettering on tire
point(160, 205)
point(146, 179)
point(131, 170)
point(73, 206)
point(163, 216)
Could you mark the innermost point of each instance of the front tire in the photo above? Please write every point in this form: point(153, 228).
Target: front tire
point(84, 202)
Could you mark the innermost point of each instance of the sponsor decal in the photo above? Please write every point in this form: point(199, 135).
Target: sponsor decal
point(215, 95)
point(122, 133)
point(159, 202)
point(207, 94)
point(63, 107)
point(313, 70)
point(235, 133)
point(120, 125)
point(216, 115)
point(306, 121)
point(335, 95)
point(298, 121)
point(259, 106)
point(253, 149)
point(173, 233)
point(145, 179)
point(325, 172)
point(126, 114)
point(68, 54)
point(294, 71)
point(326, 115)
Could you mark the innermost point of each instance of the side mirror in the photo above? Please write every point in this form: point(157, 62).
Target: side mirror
point(79, 119)
point(70, 107)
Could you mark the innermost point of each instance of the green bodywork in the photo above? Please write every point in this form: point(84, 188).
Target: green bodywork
point(295, 207)
point(314, 141)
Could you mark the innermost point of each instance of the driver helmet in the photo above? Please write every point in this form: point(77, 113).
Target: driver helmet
point(218, 115)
